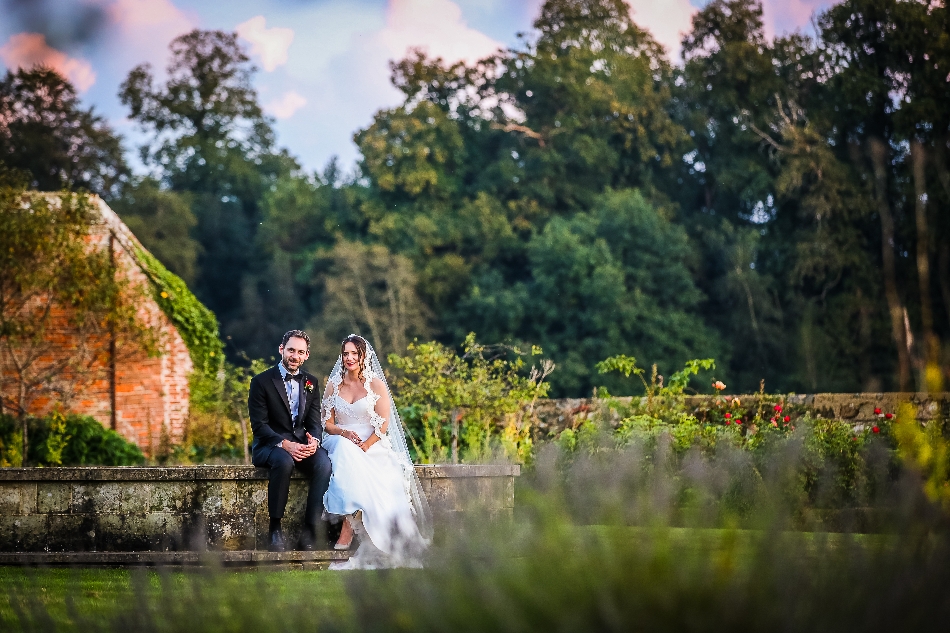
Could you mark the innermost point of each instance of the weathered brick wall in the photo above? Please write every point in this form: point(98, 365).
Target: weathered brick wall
point(151, 393)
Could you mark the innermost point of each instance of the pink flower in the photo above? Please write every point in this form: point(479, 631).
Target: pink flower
point(774, 423)
point(718, 385)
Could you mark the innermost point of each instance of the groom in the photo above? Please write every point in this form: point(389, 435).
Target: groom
point(284, 407)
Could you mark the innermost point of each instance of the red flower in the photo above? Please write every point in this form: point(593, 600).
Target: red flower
point(888, 415)
point(738, 421)
point(728, 415)
point(308, 386)
point(877, 411)
point(774, 419)
point(728, 422)
point(787, 418)
point(875, 429)
point(778, 408)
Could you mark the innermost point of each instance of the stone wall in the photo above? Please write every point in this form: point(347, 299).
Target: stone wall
point(185, 508)
point(555, 415)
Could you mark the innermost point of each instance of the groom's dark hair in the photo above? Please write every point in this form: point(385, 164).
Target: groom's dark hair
point(295, 334)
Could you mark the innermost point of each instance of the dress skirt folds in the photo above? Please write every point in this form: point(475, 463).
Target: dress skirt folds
point(371, 488)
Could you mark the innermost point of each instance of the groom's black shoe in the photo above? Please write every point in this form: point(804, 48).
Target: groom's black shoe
point(276, 543)
point(313, 537)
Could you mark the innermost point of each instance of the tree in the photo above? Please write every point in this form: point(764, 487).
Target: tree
point(59, 289)
point(162, 220)
point(212, 140)
point(46, 133)
point(367, 289)
point(617, 279)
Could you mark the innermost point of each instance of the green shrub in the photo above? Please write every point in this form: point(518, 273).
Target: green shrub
point(464, 407)
point(67, 440)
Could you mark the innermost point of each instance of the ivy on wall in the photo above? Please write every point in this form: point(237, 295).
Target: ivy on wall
point(197, 324)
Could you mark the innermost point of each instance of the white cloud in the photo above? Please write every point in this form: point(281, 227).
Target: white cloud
point(435, 25)
point(667, 20)
point(286, 105)
point(25, 50)
point(268, 44)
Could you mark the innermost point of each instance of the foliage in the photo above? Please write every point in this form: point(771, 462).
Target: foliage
point(926, 449)
point(211, 141)
point(67, 440)
point(162, 221)
point(368, 289)
point(45, 133)
point(50, 278)
point(197, 324)
point(218, 428)
point(771, 201)
point(459, 407)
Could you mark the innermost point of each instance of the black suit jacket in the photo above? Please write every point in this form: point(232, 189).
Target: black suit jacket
point(269, 411)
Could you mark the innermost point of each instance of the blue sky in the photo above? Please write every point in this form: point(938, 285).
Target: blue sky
point(323, 63)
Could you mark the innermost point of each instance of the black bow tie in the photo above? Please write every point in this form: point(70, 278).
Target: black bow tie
point(288, 377)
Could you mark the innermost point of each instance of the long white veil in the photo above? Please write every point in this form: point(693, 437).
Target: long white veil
point(395, 433)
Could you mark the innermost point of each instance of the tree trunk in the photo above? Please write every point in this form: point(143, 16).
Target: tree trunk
point(25, 429)
point(456, 418)
point(930, 354)
point(24, 425)
point(247, 455)
point(895, 308)
point(943, 265)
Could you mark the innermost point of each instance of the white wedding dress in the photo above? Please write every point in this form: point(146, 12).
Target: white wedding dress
point(378, 483)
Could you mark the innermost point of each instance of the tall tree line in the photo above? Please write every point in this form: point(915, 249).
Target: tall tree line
point(782, 205)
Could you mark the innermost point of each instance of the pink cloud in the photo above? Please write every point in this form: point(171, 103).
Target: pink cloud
point(286, 105)
point(785, 16)
point(268, 44)
point(25, 50)
point(668, 21)
point(145, 28)
point(161, 14)
point(436, 26)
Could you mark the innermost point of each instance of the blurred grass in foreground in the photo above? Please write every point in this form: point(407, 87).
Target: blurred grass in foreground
point(608, 539)
point(149, 600)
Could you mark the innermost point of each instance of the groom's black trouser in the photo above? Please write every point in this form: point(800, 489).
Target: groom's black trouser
point(316, 468)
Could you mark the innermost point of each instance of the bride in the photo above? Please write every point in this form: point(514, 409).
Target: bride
point(374, 486)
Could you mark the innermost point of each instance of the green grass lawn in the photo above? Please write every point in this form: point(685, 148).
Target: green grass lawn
point(118, 599)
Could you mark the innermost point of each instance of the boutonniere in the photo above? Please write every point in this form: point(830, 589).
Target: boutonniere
point(308, 385)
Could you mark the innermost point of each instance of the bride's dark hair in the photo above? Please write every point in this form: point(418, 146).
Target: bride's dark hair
point(360, 344)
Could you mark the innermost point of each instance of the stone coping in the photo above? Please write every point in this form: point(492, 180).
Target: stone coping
point(226, 473)
point(243, 557)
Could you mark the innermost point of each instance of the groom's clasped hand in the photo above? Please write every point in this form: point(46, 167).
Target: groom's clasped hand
point(300, 452)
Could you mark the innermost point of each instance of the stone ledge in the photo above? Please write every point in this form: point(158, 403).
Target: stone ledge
point(245, 557)
point(225, 473)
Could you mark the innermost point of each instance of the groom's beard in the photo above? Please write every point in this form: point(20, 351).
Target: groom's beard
point(288, 367)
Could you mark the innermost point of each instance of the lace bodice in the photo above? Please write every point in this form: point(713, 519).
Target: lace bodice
point(355, 414)
point(360, 413)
